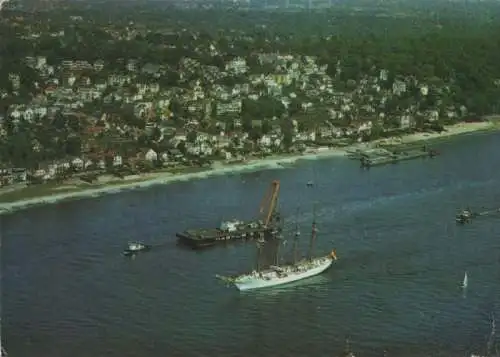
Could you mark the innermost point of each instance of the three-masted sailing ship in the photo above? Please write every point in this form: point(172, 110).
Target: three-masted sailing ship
point(278, 274)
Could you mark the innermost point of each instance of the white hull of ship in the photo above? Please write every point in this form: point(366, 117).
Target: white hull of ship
point(257, 282)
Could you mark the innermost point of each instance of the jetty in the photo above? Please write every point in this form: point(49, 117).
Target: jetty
point(384, 156)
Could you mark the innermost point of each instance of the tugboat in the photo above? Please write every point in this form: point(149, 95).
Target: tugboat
point(135, 247)
point(465, 216)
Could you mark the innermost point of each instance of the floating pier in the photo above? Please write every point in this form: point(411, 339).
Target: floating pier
point(382, 156)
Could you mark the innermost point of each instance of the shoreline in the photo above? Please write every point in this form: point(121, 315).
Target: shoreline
point(75, 191)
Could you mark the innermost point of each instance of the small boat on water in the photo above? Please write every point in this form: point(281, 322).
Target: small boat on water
point(465, 283)
point(465, 216)
point(135, 247)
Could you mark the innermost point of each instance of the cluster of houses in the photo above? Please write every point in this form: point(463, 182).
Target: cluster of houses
point(203, 96)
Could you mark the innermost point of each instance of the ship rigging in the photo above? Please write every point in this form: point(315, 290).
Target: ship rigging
point(278, 274)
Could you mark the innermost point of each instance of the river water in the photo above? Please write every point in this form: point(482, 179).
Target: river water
point(67, 291)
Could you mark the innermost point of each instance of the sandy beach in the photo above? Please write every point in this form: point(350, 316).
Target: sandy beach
point(109, 185)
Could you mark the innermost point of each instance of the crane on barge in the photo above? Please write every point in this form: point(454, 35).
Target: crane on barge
point(270, 202)
point(269, 218)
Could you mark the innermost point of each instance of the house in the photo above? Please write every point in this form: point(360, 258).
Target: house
point(229, 107)
point(265, 141)
point(117, 160)
point(99, 65)
point(406, 121)
point(77, 163)
point(151, 155)
point(237, 66)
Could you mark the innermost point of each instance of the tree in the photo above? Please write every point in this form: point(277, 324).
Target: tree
point(108, 162)
point(182, 147)
point(287, 130)
point(177, 108)
point(294, 107)
point(246, 123)
point(59, 122)
point(254, 134)
point(128, 117)
point(191, 136)
point(376, 132)
point(266, 127)
point(73, 145)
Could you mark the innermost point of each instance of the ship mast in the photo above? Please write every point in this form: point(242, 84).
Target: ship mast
point(278, 244)
point(276, 233)
point(260, 241)
point(313, 236)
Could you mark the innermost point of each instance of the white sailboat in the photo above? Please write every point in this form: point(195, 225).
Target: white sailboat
point(465, 282)
point(287, 273)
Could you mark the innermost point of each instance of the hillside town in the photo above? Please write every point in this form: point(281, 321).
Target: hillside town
point(68, 115)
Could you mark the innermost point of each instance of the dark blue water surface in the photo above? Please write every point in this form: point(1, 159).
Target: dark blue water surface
point(68, 292)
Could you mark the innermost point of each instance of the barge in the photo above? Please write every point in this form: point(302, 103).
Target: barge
point(236, 229)
point(229, 230)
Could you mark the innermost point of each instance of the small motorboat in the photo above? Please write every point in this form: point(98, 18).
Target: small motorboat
point(136, 247)
point(433, 153)
point(464, 216)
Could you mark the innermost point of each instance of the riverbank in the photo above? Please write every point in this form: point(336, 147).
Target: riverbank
point(12, 199)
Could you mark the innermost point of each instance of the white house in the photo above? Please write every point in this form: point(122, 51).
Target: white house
point(151, 155)
point(117, 160)
point(78, 163)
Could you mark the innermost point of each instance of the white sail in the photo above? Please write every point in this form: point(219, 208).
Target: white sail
point(465, 283)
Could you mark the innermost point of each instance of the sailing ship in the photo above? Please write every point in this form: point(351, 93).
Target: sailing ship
point(279, 274)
